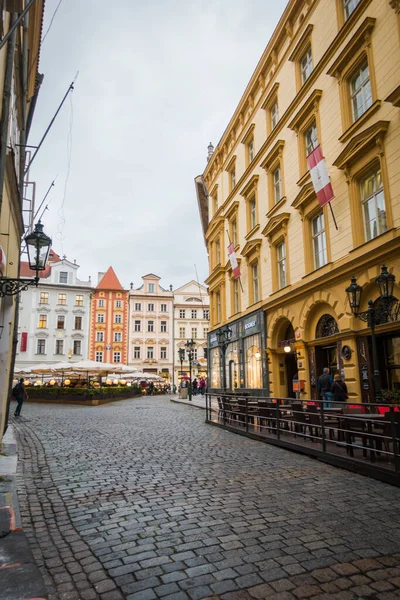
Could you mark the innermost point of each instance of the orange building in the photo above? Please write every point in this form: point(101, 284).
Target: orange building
point(108, 340)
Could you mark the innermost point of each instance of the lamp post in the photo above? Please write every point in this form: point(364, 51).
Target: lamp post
point(181, 353)
point(190, 344)
point(224, 338)
point(388, 309)
point(38, 245)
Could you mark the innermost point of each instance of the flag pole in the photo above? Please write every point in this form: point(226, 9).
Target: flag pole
point(229, 240)
point(330, 205)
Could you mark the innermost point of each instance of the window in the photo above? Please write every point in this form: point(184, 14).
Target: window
point(151, 288)
point(99, 336)
point(373, 205)
point(136, 352)
point(63, 278)
point(163, 327)
point(150, 307)
point(150, 325)
point(79, 300)
point(77, 347)
point(349, 7)
point(253, 213)
point(138, 306)
point(100, 317)
point(41, 347)
point(118, 319)
point(250, 151)
point(206, 314)
point(163, 308)
point(205, 331)
point(233, 178)
point(117, 357)
point(101, 303)
point(360, 92)
point(182, 313)
point(60, 322)
point(236, 296)
point(281, 259)
point(42, 321)
point(99, 357)
point(319, 241)
point(78, 323)
point(118, 304)
point(59, 347)
point(274, 115)
point(44, 298)
point(194, 333)
point(311, 139)
point(182, 332)
point(117, 336)
point(150, 352)
point(256, 284)
point(194, 353)
point(217, 254)
point(218, 306)
point(163, 352)
point(277, 185)
point(194, 313)
point(306, 65)
point(62, 299)
point(137, 326)
point(234, 232)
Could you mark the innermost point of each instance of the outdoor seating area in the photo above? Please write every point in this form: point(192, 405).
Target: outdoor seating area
point(359, 433)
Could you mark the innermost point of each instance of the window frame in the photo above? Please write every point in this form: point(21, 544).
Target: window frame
point(136, 353)
point(250, 194)
point(117, 354)
point(137, 326)
point(99, 355)
point(118, 319)
point(163, 326)
point(44, 295)
point(59, 277)
point(163, 351)
point(150, 326)
point(163, 308)
point(42, 322)
point(118, 304)
point(60, 319)
point(74, 345)
point(59, 344)
point(138, 306)
point(78, 299)
point(100, 303)
point(62, 299)
point(41, 343)
point(99, 334)
point(299, 52)
point(272, 162)
point(151, 304)
point(150, 352)
point(78, 318)
point(184, 333)
point(117, 336)
point(100, 318)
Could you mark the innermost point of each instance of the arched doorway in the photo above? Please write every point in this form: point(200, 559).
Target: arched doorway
point(327, 353)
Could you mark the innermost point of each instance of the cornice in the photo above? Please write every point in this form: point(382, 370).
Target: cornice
point(252, 232)
point(250, 186)
point(276, 207)
point(231, 163)
point(275, 152)
point(394, 97)
point(216, 274)
point(304, 112)
point(363, 119)
point(247, 136)
point(214, 191)
point(232, 210)
point(270, 96)
point(275, 224)
point(215, 224)
point(304, 197)
point(301, 44)
point(357, 40)
point(251, 246)
point(360, 143)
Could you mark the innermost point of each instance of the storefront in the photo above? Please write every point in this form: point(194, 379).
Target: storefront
point(240, 362)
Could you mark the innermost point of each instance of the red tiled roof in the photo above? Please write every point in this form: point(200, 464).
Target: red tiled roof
point(53, 257)
point(109, 281)
point(26, 271)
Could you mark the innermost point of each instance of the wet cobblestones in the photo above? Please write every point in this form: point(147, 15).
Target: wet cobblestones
point(141, 499)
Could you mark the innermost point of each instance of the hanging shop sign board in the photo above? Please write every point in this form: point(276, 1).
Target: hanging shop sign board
point(319, 175)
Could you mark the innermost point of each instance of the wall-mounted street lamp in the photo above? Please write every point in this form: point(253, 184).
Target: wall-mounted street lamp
point(190, 344)
point(38, 245)
point(288, 349)
point(387, 309)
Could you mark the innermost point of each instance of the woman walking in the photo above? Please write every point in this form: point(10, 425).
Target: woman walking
point(339, 389)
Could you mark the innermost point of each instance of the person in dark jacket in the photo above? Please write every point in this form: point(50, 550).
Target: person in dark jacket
point(20, 394)
point(324, 387)
point(339, 389)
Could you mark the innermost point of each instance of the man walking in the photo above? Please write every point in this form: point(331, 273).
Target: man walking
point(20, 394)
point(324, 387)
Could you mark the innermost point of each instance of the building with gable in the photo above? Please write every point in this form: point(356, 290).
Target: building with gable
point(191, 321)
point(109, 320)
point(151, 331)
point(54, 317)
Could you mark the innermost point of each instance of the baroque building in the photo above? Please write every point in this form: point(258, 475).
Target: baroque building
point(109, 320)
point(191, 321)
point(151, 328)
point(54, 317)
point(328, 77)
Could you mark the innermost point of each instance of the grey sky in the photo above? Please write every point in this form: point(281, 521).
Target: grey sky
point(158, 80)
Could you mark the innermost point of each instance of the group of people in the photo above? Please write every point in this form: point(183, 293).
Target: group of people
point(332, 389)
point(198, 386)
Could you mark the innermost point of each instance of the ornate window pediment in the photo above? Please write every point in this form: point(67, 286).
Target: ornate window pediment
point(275, 224)
point(251, 246)
point(361, 143)
point(304, 197)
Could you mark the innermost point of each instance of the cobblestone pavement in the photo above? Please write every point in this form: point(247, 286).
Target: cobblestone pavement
point(141, 499)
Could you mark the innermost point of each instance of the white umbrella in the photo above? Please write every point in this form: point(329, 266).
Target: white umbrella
point(41, 369)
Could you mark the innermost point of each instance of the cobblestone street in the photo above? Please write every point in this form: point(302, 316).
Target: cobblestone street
point(141, 499)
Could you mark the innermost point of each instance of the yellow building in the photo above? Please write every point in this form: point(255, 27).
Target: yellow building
point(330, 77)
point(19, 84)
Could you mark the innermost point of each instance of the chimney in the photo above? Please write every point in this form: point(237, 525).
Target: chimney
point(170, 288)
point(210, 151)
point(131, 284)
point(100, 276)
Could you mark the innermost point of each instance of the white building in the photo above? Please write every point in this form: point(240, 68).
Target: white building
point(151, 328)
point(54, 317)
point(191, 321)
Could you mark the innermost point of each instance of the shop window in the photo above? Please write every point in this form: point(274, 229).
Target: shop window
point(253, 363)
point(215, 367)
point(326, 327)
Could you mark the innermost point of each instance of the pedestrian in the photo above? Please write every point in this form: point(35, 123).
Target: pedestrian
point(202, 386)
point(339, 389)
point(324, 387)
point(194, 386)
point(20, 394)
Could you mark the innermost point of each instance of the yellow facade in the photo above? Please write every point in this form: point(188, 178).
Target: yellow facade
point(329, 76)
point(11, 220)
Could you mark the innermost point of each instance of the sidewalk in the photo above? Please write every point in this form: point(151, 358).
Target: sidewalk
point(197, 401)
point(20, 578)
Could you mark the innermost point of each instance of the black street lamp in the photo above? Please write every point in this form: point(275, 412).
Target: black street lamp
point(38, 245)
point(224, 338)
point(387, 309)
point(181, 353)
point(190, 344)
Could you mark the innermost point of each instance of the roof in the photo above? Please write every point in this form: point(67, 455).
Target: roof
point(151, 275)
point(109, 281)
point(202, 202)
point(26, 271)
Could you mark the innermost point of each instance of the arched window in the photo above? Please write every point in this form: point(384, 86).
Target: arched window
point(326, 326)
point(193, 300)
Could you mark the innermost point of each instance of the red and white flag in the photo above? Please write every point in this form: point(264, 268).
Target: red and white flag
point(319, 175)
point(234, 262)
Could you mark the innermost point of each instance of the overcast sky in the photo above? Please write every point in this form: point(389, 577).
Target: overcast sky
point(158, 80)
